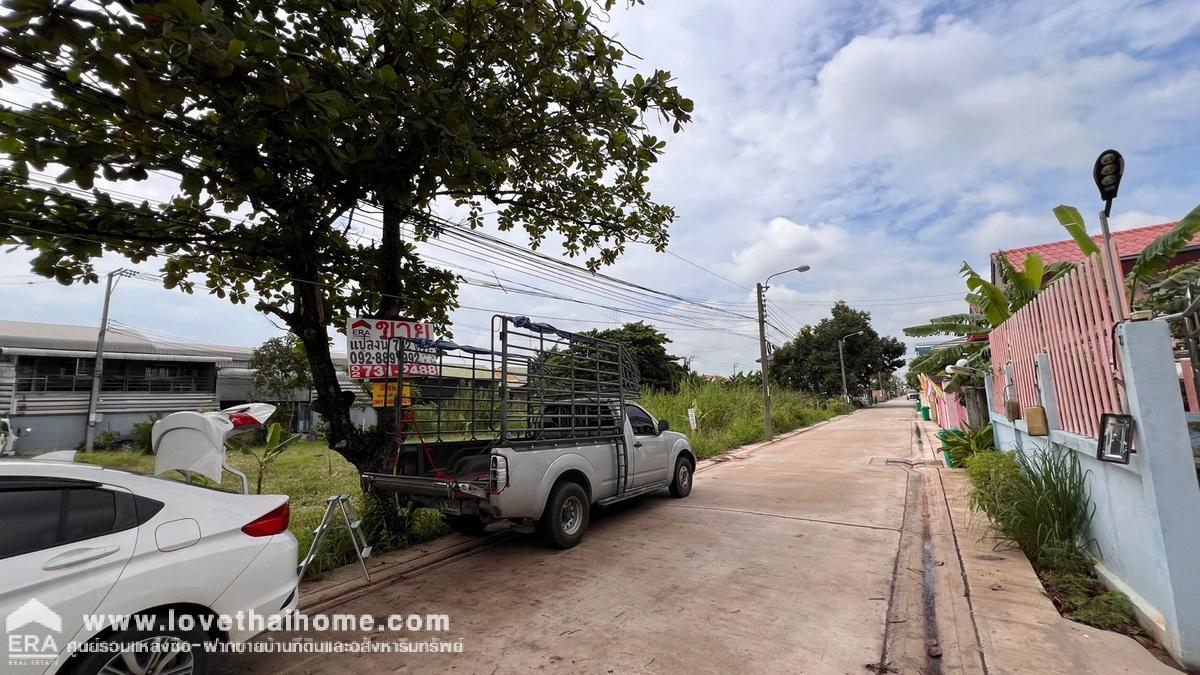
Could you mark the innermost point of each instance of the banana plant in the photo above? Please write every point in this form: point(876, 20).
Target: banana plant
point(995, 302)
point(1155, 259)
point(270, 451)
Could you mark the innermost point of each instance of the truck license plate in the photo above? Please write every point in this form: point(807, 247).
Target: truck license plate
point(449, 506)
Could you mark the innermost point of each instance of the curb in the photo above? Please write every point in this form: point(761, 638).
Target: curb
point(384, 570)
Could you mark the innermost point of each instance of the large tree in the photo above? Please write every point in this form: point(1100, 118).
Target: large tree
point(810, 360)
point(647, 346)
point(289, 114)
point(280, 368)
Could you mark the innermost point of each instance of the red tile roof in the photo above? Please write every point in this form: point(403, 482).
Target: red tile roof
point(1129, 244)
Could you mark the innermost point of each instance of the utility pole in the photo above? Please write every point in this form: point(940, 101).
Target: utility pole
point(761, 290)
point(842, 360)
point(762, 349)
point(98, 369)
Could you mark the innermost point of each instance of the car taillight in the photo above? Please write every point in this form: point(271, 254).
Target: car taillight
point(241, 419)
point(499, 477)
point(273, 522)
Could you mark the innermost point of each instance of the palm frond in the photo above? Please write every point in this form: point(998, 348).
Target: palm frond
point(953, 324)
point(1072, 221)
point(1158, 255)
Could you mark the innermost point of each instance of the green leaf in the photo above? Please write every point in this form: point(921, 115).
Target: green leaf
point(954, 324)
point(996, 306)
point(1158, 255)
point(1071, 219)
point(1034, 269)
point(234, 49)
point(192, 183)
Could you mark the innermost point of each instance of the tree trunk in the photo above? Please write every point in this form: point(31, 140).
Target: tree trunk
point(369, 450)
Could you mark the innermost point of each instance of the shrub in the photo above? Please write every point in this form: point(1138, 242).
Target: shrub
point(141, 434)
point(1050, 509)
point(1043, 505)
point(992, 474)
point(968, 442)
point(103, 440)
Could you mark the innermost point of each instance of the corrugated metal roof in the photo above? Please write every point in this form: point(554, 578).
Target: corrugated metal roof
point(68, 337)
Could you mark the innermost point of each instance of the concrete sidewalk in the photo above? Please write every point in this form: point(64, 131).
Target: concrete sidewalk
point(1017, 627)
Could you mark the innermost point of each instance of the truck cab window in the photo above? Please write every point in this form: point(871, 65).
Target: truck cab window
point(640, 421)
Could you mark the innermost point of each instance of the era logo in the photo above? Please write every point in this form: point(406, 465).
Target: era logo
point(35, 645)
point(360, 328)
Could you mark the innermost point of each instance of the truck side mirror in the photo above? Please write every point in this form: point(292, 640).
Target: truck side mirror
point(663, 426)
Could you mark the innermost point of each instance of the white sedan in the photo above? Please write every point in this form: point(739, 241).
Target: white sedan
point(82, 546)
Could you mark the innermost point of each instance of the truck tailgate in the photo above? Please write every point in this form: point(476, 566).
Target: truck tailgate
point(410, 485)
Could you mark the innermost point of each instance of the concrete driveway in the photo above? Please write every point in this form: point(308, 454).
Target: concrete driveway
point(780, 561)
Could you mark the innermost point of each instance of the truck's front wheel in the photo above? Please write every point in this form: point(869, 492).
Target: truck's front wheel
point(681, 482)
point(566, 516)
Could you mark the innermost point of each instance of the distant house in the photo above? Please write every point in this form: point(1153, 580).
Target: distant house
point(1130, 244)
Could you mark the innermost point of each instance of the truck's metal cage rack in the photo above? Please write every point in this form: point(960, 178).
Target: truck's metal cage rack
point(535, 382)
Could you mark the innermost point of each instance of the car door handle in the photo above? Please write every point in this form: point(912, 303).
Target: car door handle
point(79, 555)
point(637, 444)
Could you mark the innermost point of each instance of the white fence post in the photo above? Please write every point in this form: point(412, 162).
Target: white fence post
point(1168, 473)
point(1045, 380)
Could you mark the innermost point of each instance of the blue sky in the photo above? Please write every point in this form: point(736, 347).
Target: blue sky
point(882, 143)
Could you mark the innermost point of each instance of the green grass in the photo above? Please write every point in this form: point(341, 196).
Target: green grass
point(308, 473)
point(732, 416)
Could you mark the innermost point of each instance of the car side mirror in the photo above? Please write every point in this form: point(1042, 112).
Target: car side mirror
point(663, 426)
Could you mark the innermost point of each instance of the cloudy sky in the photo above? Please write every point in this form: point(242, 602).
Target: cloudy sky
point(881, 143)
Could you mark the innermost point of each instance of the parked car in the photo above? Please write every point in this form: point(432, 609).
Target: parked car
point(564, 435)
point(80, 540)
point(914, 396)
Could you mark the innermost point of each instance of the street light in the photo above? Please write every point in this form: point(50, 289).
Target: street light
point(1107, 172)
point(761, 289)
point(842, 359)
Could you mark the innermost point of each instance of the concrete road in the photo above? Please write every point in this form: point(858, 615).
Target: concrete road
point(780, 561)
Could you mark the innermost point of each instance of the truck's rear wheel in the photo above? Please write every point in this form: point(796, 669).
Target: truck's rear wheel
point(566, 516)
point(681, 480)
point(468, 525)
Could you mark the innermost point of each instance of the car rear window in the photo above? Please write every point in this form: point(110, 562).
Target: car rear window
point(36, 514)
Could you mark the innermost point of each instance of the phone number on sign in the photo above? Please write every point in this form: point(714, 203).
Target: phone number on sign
point(360, 372)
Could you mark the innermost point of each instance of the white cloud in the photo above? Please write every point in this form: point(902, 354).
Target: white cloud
point(1003, 230)
point(780, 244)
point(880, 142)
point(1127, 220)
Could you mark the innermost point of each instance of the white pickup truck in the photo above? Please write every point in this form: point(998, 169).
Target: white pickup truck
point(8, 437)
point(552, 434)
